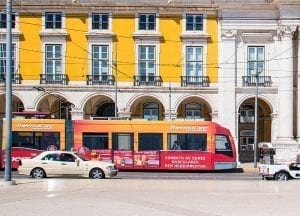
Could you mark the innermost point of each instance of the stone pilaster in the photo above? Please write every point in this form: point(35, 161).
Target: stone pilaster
point(227, 79)
point(285, 88)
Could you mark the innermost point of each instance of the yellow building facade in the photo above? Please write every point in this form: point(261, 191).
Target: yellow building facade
point(142, 46)
point(159, 60)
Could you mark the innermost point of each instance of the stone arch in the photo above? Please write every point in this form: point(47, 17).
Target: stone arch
point(17, 104)
point(98, 106)
point(205, 107)
point(55, 103)
point(246, 125)
point(136, 106)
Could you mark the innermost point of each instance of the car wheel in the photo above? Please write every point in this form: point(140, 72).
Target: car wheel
point(38, 173)
point(282, 176)
point(96, 173)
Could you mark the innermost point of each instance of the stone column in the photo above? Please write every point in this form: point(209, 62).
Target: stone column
point(77, 115)
point(274, 126)
point(285, 88)
point(227, 80)
point(298, 87)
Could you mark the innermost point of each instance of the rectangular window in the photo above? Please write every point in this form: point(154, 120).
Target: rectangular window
point(122, 141)
point(256, 61)
point(100, 59)
point(95, 140)
point(53, 60)
point(147, 22)
point(36, 140)
point(146, 60)
point(223, 145)
point(193, 111)
point(194, 62)
point(187, 141)
point(194, 22)
point(3, 20)
point(3, 58)
point(150, 141)
point(100, 21)
point(53, 20)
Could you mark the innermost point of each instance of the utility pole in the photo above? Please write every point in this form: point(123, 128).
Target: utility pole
point(170, 100)
point(255, 120)
point(8, 104)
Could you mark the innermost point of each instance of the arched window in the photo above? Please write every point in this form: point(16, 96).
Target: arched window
point(151, 111)
point(193, 111)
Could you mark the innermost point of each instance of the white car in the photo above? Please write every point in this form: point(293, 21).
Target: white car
point(54, 163)
point(280, 172)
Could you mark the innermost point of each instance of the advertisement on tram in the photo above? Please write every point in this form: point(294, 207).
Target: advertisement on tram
point(32, 136)
point(160, 145)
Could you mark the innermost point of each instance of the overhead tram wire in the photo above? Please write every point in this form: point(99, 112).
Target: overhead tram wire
point(130, 37)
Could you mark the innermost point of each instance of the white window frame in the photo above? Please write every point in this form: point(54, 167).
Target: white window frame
point(90, 19)
point(109, 71)
point(151, 107)
point(16, 21)
point(16, 57)
point(204, 55)
point(202, 64)
point(193, 111)
point(63, 50)
point(263, 73)
point(54, 30)
point(204, 23)
point(156, 68)
point(138, 18)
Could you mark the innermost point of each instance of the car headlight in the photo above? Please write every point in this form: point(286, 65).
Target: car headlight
point(110, 168)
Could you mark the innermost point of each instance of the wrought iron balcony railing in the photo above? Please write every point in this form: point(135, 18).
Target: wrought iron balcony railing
point(263, 81)
point(201, 81)
point(100, 80)
point(54, 79)
point(147, 80)
point(15, 78)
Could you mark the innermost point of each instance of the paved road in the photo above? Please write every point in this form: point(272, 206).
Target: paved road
point(149, 197)
point(237, 175)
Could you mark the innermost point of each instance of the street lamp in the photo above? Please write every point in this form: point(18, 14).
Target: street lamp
point(8, 104)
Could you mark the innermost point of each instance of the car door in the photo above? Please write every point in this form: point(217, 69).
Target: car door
point(70, 164)
point(51, 164)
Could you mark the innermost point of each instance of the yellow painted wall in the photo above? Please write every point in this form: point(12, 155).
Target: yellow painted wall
point(170, 48)
point(212, 49)
point(124, 46)
point(77, 55)
point(30, 47)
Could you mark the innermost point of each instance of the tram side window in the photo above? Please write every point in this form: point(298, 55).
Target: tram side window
point(150, 141)
point(35, 140)
point(122, 141)
point(188, 141)
point(223, 145)
point(95, 140)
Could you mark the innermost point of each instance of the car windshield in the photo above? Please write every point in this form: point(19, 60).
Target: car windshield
point(82, 157)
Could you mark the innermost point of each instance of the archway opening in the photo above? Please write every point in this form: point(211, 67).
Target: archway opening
point(246, 128)
point(194, 108)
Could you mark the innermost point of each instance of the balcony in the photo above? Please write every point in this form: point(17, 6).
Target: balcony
point(263, 81)
point(54, 79)
point(147, 80)
point(200, 81)
point(100, 80)
point(15, 78)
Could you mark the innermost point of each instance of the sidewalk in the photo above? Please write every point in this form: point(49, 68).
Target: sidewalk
point(248, 167)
